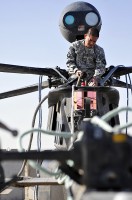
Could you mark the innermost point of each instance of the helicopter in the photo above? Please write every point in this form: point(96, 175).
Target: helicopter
point(58, 78)
point(65, 93)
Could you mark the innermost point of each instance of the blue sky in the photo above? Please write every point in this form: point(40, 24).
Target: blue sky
point(30, 36)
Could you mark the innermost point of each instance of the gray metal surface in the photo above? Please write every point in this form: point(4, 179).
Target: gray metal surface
point(107, 196)
point(12, 168)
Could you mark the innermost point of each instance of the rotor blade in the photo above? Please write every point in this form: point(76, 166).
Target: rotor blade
point(28, 89)
point(120, 70)
point(118, 83)
point(19, 91)
point(123, 71)
point(8, 68)
point(113, 71)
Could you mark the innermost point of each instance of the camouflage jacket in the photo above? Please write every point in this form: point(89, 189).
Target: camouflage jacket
point(91, 60)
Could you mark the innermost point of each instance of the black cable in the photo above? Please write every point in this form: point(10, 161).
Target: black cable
point(130, 82)
point(40, 115)
point(64, 78)
point(127, 100)
point(31, 136)
point(39, 135)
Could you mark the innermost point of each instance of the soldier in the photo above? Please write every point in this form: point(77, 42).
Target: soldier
point(86, 56)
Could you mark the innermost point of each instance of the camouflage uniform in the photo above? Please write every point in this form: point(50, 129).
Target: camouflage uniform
point(89, 60)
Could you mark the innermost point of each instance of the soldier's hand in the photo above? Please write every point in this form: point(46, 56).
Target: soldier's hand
point(96, 80)
point(79, 73)
point(93, 82)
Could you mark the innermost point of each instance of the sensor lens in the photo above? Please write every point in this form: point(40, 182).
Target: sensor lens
point(92, 19)
point(69, 19)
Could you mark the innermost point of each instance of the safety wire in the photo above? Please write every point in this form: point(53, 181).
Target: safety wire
point(39, 135)
point(40, 114)
point(130, 82)
point(31, 134)
point(52, 133)
point(102, 122)
point(127, 100)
